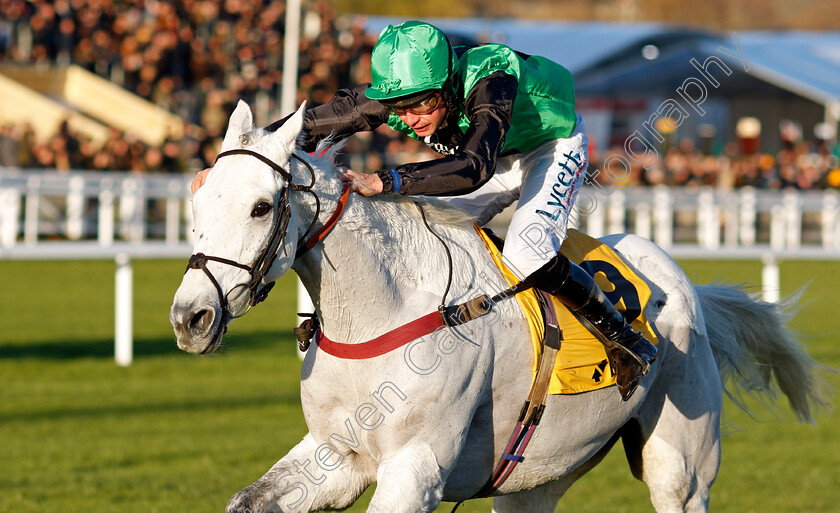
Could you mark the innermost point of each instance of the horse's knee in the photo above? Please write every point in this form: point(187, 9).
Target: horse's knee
point(409, 481)
point(300, 483)
point(286, 490)
point(678, 479)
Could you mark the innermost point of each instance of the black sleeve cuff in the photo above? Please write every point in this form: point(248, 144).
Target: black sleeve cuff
point(387, 181)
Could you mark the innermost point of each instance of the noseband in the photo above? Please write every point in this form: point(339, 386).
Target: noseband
point(268, 255)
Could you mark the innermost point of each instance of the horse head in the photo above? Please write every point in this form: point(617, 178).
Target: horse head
point(247, 227)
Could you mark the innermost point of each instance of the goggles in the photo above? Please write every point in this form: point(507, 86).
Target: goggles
point(425, 106)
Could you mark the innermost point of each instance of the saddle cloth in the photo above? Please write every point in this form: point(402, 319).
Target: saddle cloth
point(582, 364)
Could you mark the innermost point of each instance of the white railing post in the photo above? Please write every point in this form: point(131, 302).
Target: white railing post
point(708, 220)
point(616, 212)
point(132, 210)
point(730, 219)
point(643, 219)
point(828, 226)
point(173, 213)
point(747, 216)
point(770, 282)
point(9, 211)
point(595, 221)
point(123, 329)
point(793, 219)
point(31, 210)
point(777, 227)
point(105, 228)
point(75, 208)
point(663, 217)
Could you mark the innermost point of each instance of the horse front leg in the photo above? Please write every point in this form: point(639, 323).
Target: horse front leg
point(408, 482)
point(307, 479)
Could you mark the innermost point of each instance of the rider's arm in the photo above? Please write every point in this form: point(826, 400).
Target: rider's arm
point(348, 112)
point(488, 106)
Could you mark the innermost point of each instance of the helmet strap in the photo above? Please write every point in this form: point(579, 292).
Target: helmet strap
point(449, 89)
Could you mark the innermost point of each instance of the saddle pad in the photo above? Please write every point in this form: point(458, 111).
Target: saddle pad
point(582, 364)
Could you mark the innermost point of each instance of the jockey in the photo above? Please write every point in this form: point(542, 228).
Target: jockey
point(506, 126)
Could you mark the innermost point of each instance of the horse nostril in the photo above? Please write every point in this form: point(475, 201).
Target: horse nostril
point(201, 321)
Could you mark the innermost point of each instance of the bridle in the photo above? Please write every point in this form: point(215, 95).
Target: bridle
point(266, 258)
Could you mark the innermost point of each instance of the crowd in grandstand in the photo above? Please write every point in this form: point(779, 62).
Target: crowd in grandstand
point(192, 57)
point(801, 165)
point(197, 57)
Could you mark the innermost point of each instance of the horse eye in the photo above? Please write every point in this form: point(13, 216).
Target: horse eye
point(261, 209)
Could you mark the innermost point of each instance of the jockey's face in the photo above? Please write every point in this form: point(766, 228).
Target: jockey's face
point(426, 117)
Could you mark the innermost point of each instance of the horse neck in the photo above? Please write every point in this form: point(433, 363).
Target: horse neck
point(381, 268)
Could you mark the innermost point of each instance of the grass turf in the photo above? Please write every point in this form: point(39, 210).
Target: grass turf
point(180, 433)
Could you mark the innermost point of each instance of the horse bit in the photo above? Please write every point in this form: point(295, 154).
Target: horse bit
point(268, 255)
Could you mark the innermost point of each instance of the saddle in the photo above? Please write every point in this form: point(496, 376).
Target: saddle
point(582, 364)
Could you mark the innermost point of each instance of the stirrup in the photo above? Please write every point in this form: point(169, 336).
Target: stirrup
point(627, 369)
point(627, 374)
point(627, 366)
point(636, 356)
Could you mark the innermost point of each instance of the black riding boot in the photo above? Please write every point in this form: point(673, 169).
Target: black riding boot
point(630, 353)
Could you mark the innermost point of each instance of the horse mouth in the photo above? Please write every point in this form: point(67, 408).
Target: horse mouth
point(216, 341)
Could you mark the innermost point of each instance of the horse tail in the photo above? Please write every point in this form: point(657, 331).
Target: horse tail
point(753, 348)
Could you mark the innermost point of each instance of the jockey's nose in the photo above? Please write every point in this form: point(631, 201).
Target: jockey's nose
point(411, 119)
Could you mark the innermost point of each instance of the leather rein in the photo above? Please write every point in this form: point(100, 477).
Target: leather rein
point(282, 214)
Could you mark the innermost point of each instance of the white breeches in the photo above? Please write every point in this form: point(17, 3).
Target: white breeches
point(545, 180)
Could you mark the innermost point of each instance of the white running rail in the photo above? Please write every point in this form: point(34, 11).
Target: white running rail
point(46, 215)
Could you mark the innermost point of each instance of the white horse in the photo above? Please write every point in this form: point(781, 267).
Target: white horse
point(429, 423)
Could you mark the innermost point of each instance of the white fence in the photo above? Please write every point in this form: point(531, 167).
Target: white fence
point(93, 205)
point(711, 219)
point(141, 207)
point(46, 215)
point(90, 215)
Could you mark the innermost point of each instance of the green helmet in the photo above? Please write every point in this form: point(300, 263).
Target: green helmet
point(409, 58)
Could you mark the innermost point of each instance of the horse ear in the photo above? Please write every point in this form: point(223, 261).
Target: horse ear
point(286, 136)
point(241, 121)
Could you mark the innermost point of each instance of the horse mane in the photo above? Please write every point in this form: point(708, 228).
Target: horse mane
point(440, 213)
point(327, 149)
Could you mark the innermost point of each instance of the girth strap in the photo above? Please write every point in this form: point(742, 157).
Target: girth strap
point(532, 410)
point(454, 315)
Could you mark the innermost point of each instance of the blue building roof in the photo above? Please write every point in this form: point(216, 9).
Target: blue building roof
point(804, 62)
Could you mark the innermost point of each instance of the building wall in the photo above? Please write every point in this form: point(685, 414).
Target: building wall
point(771, 110)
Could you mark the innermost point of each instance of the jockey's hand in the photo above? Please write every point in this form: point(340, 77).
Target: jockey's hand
point(364, 184)
point(199, 180)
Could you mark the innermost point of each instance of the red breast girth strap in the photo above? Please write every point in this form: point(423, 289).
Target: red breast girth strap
point(382, 344)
